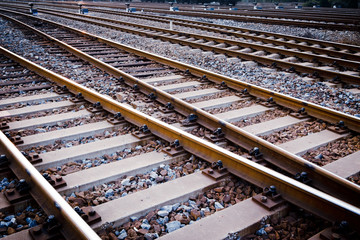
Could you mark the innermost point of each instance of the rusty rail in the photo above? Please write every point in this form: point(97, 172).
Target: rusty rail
point(254, 17)
point(293, 164)
point(307, 56)
point(235, 31)
point(230, 30)
point(302, 195)
point(263, 60)
point(73, 226)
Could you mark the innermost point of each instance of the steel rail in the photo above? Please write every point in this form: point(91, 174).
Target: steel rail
point(305, 15)
point(265, 14)
point(229, 30)
point(351, 79)
point(250, 12)
point(295, 192)
point(73, 226)
point(307, 56)
point(262, 20)
point(232, 31)
point(322, 178)
point(333, 21)
point(309, 11)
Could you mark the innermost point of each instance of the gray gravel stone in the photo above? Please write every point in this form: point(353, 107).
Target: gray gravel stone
point(173, 226)
point(163, 213)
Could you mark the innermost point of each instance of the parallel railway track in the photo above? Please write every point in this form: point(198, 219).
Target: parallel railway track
point(326, 22)
point(19, 164)
point(331, 66)
point(155, 72)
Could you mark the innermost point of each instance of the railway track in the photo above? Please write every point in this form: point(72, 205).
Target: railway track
point(274, 14)
point(331, 66)
point(335, 21)
point(255, 35)
point(159, 74)
point(118, 172)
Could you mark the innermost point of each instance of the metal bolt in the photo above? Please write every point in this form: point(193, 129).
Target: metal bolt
point(97, 105)
point(46, 176)
point(144, 128)
point(37, 230)
point(169, 106)
point(176, 143)
point(78, 210)
point(50, 218)
point(10, 192)
point(341, 124)
point(152, 96)
point(272, 189)
point(219, 164)
point(255, 151)
point(58, 178)
point(217, 131)
point(263, 199)
point(192, 117)
point(3, 158)
point(117, 115)
point(92, 213)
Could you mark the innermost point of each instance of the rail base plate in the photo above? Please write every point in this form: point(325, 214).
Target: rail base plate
point(13, 196)
point(299, 115)
point(172, 151)
point(57, 181)
point(141, 135)
point(338, 130)
point(269, 203)
point(90, 216)
point(215, 174)
point(214, 138)
point(41, 233)
point(115, 121)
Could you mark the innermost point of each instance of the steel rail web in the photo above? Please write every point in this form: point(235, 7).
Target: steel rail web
point(201, 25)
point(293, 191)
point(263, 60)
point(286, 52)
point(322, 178)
